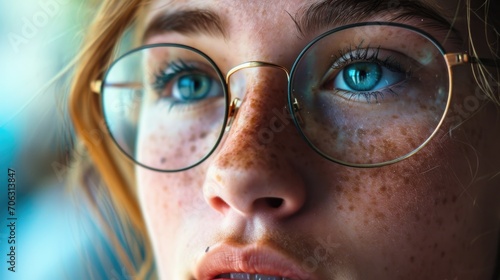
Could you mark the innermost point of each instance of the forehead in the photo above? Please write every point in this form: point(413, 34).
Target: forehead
point(259, 9)
point(303, 17)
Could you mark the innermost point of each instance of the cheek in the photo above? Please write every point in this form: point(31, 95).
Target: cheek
point(174, 211)
point(179, 136)
point(420, 214)
point(364, 130)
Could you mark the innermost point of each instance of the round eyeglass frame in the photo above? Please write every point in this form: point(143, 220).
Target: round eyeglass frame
point(304, 51)
point(224, 88)
point(231, 107)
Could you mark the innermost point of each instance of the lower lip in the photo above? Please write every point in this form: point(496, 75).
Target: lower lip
point(248, 276)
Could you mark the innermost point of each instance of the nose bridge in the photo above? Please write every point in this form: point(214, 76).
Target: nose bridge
point(237, 87)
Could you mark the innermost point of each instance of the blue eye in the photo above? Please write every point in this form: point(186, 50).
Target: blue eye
point(362, 76)
point(192, 87)
point(186, 83)
point(366, 76)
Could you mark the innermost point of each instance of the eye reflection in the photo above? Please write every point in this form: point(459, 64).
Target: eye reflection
point(366, 76)
point(192, 87)
point(367, 73)
point(360, 76)
point(181, 82)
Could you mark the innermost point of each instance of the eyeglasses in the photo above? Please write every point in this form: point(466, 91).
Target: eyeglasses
point(361, 95)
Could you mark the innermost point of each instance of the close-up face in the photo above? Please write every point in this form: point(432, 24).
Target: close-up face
point(348, 152)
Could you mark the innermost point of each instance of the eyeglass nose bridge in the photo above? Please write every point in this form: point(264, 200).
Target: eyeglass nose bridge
point(236, 102)
point(254, 64)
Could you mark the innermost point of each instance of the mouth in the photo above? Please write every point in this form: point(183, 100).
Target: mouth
point(252, 262)
point(248, 276)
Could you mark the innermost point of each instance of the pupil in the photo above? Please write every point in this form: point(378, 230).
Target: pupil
point(362, 76)
point(196, 85)
point(193, 87)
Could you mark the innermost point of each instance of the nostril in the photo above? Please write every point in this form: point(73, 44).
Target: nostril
point(219, 204)
point(274, 202)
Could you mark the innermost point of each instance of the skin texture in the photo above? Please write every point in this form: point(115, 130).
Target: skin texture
point(432, 216)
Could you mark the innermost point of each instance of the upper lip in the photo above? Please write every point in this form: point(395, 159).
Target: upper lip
point(254, 259)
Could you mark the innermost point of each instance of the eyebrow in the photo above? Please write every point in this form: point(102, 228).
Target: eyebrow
point(326, 14)
point(186, 22)
point(318, 16)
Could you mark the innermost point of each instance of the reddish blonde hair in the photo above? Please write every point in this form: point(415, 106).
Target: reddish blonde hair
point(110, 24)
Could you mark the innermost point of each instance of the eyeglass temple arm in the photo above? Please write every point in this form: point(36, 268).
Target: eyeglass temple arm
point(96, 85)
point(461, 58)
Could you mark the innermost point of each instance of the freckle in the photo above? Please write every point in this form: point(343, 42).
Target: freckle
point(218, 178)
point(248, 163)
point(407, 181)
point(383, 189)
point(435, 246)
point(444, 201)
point(193, 148)
point(340, 207)
point(395, 116)
point(338, 188)
point(344, 178)
point(443, 254)
point(163, 160)
point(351, 207)
point(412, 259)
point(417, 217)
point(277, 166)
point(436, 201)
point(356, 189)
point(428, 222)
point(454, 199)
point(203, 134)
point(386, 268)
point(408, 237)
point(379, 216)
point(439, 221)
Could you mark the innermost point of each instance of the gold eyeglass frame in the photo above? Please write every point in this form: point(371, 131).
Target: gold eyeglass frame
point(451, 59)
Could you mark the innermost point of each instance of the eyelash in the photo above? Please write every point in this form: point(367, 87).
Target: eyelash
point(349, 55)
point(352, 54)
point(162, 79)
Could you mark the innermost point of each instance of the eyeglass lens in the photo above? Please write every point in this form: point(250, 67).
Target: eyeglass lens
point(370, 94)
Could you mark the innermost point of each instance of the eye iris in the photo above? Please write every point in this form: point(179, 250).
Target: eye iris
point(193, 87)
point(362, 76)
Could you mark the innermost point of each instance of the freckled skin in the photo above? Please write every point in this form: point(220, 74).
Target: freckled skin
point(432, 216)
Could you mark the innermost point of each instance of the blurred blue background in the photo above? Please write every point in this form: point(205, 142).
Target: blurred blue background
point(38, 40)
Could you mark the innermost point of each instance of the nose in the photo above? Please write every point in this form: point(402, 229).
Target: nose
point(253, 173)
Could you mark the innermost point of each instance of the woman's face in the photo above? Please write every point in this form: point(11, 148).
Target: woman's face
point(281, 209)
